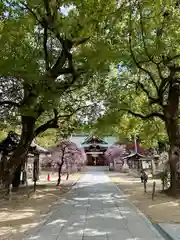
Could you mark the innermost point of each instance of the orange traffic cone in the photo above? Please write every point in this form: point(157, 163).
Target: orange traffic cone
point(48, 177)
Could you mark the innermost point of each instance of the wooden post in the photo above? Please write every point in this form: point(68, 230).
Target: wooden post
point(163, 184)
point(35, 170)
point(145, 186)
point(10, 192)
point(153, 190)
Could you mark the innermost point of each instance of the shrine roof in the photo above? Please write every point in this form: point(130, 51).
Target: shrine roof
point(99, 144)
point(94, 140)
point(135, 154)
point(84, 140)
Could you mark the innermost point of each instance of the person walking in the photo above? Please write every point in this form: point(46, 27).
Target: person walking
point(144, 176)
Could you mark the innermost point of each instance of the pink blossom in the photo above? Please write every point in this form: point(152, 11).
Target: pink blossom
point(115, 154)
point(69, 155)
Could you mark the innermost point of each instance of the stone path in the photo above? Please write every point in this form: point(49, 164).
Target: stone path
point(171, 230)
point(96, 210)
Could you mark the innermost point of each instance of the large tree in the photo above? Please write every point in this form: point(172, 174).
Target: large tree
point(124, 125)
point(50, 48)
point(149, 66)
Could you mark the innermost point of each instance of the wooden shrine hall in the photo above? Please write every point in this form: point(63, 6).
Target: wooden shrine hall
point(95, 148)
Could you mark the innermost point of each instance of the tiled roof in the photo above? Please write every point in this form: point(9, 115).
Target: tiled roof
point(79, 139)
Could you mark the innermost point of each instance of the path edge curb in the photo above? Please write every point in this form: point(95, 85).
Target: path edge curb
point(164, 232)
point(147, 221)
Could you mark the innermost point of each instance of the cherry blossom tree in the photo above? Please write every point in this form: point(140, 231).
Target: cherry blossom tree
point(80, 159)
point(115, 155)
point(68, 157)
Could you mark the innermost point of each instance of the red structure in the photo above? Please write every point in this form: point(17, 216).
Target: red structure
point(131, 147)
point(48, 177)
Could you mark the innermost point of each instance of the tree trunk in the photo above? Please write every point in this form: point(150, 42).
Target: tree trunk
point(67, 174)
point(19, 155)
point(36, 170)
point(59, 173)
point(174, 154)
point(17, 176)
point(3, 168)
point(173, 130)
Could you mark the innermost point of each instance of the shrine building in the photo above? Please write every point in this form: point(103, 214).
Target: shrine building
point(94, 147)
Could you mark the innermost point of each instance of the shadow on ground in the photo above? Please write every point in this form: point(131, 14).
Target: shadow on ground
point(91, 211)
point(23, 213)
point(162, 209)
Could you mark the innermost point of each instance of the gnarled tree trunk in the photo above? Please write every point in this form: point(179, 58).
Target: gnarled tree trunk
point(59, 173)
point(36, 170)
point(173, 130)
point(19, 155)
point(174, 151)
point(17, 176)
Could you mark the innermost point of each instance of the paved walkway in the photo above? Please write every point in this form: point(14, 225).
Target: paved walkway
point(171, 230)
point(96, 210)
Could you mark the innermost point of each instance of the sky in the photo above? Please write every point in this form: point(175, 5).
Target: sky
point(65, 10)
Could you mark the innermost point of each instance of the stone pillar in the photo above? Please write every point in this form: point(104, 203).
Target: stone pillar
point(125, 166)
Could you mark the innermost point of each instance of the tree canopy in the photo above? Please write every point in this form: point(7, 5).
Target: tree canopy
point(67, 64)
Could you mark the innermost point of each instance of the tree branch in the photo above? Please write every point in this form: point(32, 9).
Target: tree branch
point(44, 20)
point(143, 36)
point(53, 123)
point(134, 58)
point(55, 113)
point(166, 60)
point(159, 72)
point(47, 7)
point(152, 99)
point(164, 85)
point(15, 104)
point(31, 11)
point(45, 49)
point(65, 71)
point(49, 124)
point(174, 68)
point(67, 45)
point(80, 41)
point(144, 117)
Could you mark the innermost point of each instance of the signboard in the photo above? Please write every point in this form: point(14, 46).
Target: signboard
point(145, 165)
point(29, 171)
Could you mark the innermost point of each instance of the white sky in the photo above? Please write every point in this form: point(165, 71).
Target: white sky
point(65, 10)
